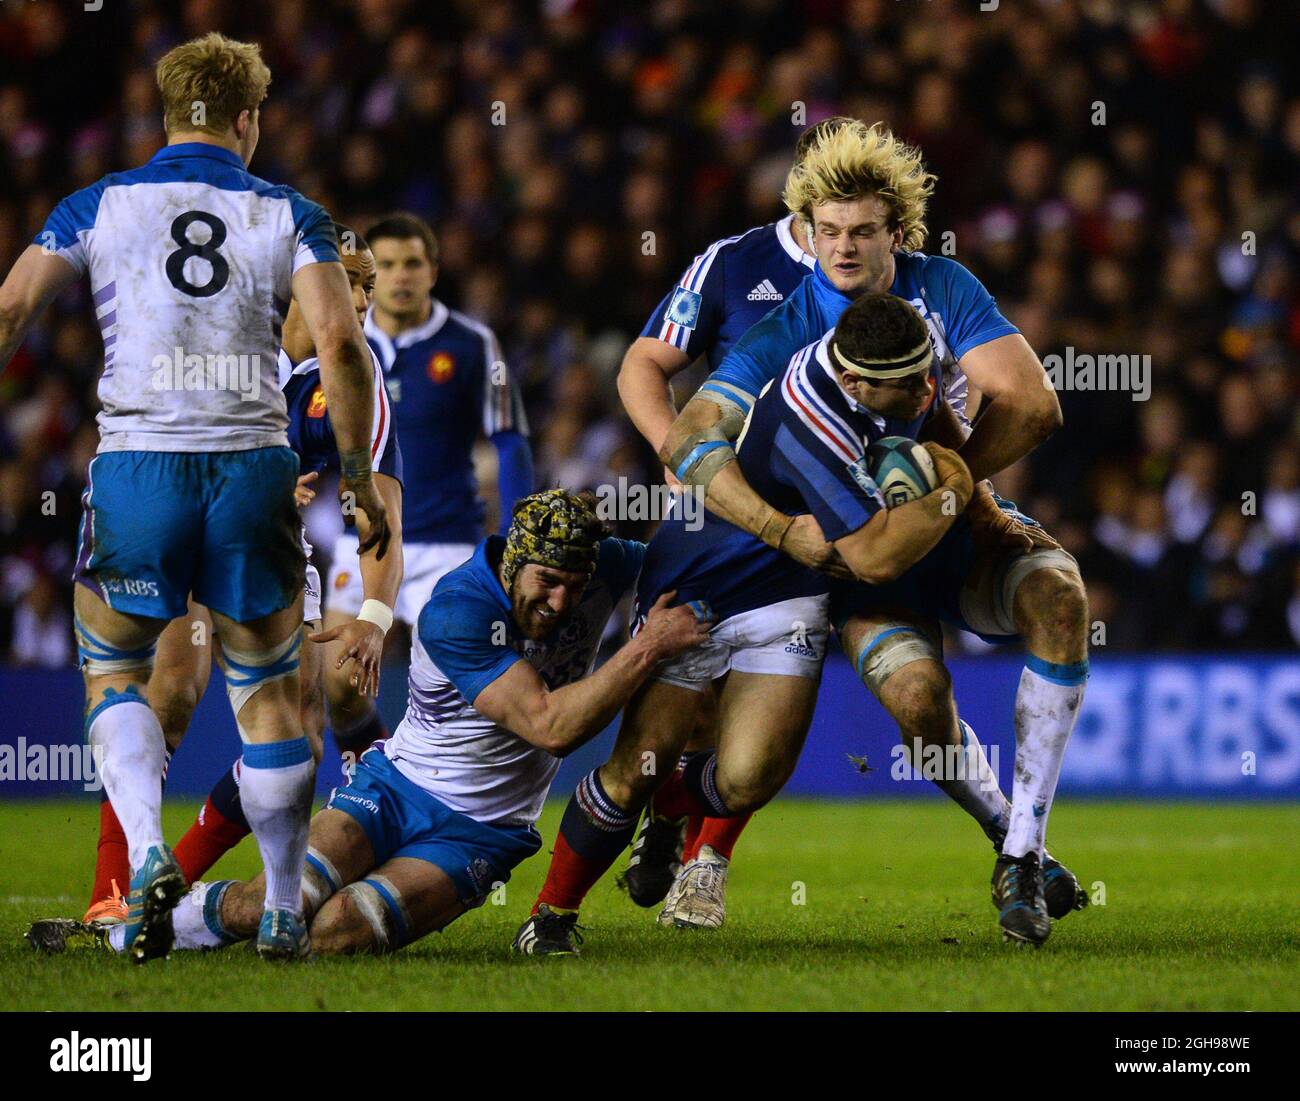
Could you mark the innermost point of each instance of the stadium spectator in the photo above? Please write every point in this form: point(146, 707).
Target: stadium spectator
point(1121, 176)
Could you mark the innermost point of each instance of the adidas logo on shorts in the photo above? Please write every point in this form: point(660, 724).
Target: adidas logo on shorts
point(765, 292)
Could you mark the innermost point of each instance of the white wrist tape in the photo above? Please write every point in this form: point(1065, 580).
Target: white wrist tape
point(378, 613)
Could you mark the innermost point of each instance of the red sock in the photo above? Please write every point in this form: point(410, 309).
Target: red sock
point(207, 841)
point(675, 800)
point(719, 833)
point(569, 878)
point(111, 860)
point(691, 842)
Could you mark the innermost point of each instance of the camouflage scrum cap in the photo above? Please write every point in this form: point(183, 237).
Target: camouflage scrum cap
point(553, 528)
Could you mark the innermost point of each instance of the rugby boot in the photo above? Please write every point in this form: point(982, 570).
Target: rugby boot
point(282, 936)
point(547, 933)
point(698, 898)
point(108, 911)
point(1061, 890)
point(54, 936)
point(656, 858)
point(1018, 895)
point(155, 890)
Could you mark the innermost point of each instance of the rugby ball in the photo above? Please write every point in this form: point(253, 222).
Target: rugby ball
point(902, 468)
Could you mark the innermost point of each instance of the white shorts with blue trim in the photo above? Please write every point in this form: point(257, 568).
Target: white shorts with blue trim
point(783, 639)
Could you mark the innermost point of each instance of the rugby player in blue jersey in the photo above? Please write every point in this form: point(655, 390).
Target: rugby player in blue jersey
point(862, 194)
point(804, 447)
point(449, 385)
point(727, 288)
point(435, 818)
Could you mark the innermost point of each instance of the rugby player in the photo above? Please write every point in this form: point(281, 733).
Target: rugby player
point(435, 818)
point(448, 382)
point(772, 620)
point(192, 263)
point(183, 659)
point(726, 289)
point(863, 195)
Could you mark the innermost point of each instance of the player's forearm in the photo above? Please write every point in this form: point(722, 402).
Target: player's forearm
point(704, 429)
point(896, 539)
point(515, 475)
point(579, 711)
point(381, 578)
point(1011, 427)
point(347, 375)
point(731, 497)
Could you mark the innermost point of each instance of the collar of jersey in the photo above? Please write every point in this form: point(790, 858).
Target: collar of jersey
point(785, 238)
point(825, 287)
point(198, 149)
point(486, 573)
point(392, 345)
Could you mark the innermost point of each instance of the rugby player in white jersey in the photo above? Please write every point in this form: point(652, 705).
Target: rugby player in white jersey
point(192, 263)
point(183, 660)
point(436, 817)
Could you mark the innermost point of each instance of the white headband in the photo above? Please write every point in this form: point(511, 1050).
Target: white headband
point(909, 363)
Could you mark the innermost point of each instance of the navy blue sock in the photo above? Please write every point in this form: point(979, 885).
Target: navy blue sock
point(225, 797)
point(698, 779)
point(594, 826)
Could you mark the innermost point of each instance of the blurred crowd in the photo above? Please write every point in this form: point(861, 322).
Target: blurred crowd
point(1121, 174)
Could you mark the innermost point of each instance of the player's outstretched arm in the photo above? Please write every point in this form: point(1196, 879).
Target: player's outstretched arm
point(325, 299)
point(560, 721)
point(1023, 409)
point(381, 579)
point(699, 451)
point(895, 539)
point(33, 283)
point(645, 386)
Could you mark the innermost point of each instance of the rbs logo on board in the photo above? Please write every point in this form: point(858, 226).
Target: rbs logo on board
point(1192, 725)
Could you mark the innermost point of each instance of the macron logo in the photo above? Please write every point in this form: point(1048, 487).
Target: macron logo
point(765, 292)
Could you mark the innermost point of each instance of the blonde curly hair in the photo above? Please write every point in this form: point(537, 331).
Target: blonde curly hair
point(856, 160)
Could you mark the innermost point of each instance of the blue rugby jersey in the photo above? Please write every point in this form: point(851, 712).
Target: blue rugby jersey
point(311, 431)
point(448, 383)
point(727, 288)
point(958, 311)
point(465, 639)
point(803, 450)
point(191, 261)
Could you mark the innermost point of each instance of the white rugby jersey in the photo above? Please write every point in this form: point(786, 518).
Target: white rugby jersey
point(465, 640)
point(191, 260)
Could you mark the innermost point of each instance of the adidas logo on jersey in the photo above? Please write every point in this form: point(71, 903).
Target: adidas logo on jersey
point(765, 292)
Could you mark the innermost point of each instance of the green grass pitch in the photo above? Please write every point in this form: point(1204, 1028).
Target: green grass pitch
point(1199, 914)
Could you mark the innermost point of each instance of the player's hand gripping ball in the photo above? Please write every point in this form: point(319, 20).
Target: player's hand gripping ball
point(902, 468)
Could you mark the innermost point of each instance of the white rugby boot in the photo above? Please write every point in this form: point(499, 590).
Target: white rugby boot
point(698, 896)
